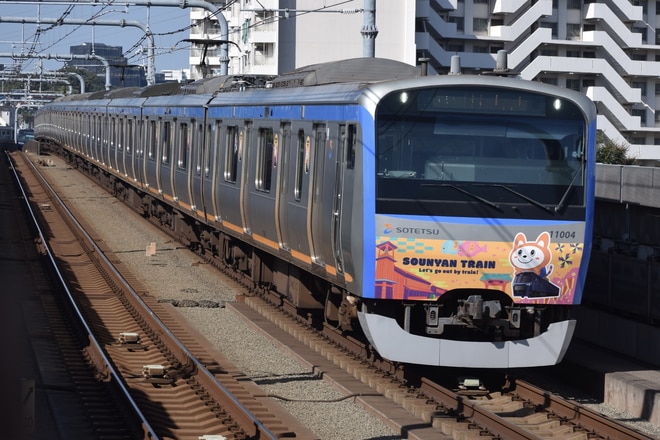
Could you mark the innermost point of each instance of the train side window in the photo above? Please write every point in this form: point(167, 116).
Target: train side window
point(231, 154)
point(265, 162)
point(184, 146)
point(301, 169)
point(351, 143)
point(167, 145)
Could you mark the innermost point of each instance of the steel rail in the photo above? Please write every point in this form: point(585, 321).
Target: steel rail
point(149, 433)
point(577, 414)
point(246, 419)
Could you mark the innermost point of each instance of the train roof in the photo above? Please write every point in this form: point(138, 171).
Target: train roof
point(226, 83)
point(364, 80)
point(362, 70)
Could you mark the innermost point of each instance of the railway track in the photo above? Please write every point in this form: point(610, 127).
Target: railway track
point(88, 402)
point(172, 384)
point(519, 411)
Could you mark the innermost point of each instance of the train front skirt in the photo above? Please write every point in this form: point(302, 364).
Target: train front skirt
point(395, 344)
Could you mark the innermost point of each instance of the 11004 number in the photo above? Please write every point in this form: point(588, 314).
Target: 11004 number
point(562, 234)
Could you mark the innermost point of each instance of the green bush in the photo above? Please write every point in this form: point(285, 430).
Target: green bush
point(610, 152)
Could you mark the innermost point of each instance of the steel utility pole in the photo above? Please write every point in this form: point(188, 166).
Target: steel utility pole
point(369, 30)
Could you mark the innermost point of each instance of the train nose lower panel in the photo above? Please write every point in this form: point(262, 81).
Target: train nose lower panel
point(395, 344)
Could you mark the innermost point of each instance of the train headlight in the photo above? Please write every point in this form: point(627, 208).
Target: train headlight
point(556, 104)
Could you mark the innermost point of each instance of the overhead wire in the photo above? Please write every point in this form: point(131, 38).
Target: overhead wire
point(133, 52)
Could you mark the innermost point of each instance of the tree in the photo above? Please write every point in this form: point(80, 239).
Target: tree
point(611, 152)
point(93, 83)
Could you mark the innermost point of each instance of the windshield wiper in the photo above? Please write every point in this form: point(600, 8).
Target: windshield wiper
point(464, 191)
point(568, 189)
point(529, 199)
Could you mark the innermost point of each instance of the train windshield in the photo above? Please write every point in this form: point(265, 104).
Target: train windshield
point(478, 144)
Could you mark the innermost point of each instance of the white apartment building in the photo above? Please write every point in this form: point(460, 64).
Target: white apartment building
point(276, 36)
point(608, 49)
point(178, 75)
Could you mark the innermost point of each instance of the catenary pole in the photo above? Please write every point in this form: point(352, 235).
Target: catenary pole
point(215, 10)
point(151, 76)
point(369, 30)
point(63, 57)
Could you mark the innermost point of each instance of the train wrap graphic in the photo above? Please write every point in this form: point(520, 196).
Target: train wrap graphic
point(414, 267)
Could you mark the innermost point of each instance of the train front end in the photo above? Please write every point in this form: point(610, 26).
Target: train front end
point(477, 242)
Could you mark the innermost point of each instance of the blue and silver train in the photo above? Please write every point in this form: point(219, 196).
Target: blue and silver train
point(448, 218)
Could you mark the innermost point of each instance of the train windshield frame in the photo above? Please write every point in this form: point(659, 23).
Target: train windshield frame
point(478, 145)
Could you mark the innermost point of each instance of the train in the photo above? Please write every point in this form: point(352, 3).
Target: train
point(445, 218)
point(23, 136)
point(6, 136)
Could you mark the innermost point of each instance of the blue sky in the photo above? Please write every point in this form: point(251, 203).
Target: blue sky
point(168, 24)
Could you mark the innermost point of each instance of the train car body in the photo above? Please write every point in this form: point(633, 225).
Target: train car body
point(24, 135)
point(6, 136)
point(449, 215)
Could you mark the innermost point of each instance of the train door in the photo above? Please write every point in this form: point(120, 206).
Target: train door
point(347, 139)
point(212, 166)
point(130, 148)
point(197, 169)
point(327, 186)
point(138, 155)
point(315, 214)
point(101, 143)
point(182, 169)
point(91, 137)
point(107, 141)
point(90, 141)
point(244, 142)
point(75, 129)
point(86, 133)
point(298, 195)
point(165, 175)
point(121, 146)
point(151, 160)
point(344, 241)
point(93, 148)
point(229, 163)
point(261, 196)
point(112, 142)
point(281, 192)
point(79, 134)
